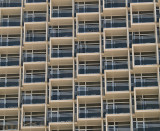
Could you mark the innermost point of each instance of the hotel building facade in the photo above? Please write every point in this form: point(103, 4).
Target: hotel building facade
point(79, 65)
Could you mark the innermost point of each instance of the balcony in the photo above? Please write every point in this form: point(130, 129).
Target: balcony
point(9, 80)
point(8, 123)
point(143, 17)
point(10, 40)
point(65, 71)
point(115, 63)
point(36, 16)
point(139, 1)
point(147, 102)
point(32, 119)
point(61, 31)
point(144, 80)
point(9, 101)
point(114, 22)
point(62, 11)
point(143, 37)
point(118, 106)
point(115, 42)
point(87, 47)
point(61, 93)
point(114, 3)
point(88, 27)
point(117, 84)
point(9, 60)
point(59, 51)
point(33, 97)
point(34, 56)
point(89, 67)
point(10, 21)
point(119, 126)
point(62, 115)
point(35, 35)
point(89, 7)
point(88, 88)
point(35, 1)
point(89, 111)
point(145, 58)
point(12, 3)
point(34, 76)
point(89, 128)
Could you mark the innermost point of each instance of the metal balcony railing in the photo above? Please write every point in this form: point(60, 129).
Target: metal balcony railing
point(35, 99)
point(35, 1)
point(61, 33)
point(87, 8)
point(90, 113)
point(33, 121)
point(148, 60)
point(34, 78)
point(62, 13)
point(61, 116)
point(9, 22)
point(117, 86)
point(10, 3)
point(114, 23)
point(143, 18)
point(82, 91)
point(139, 1)
point(148, 38)
point(36, 17)
point(35, 37)
point(61, 95)
point(116, 43)
point(88, 28)
point(114, 3)
point(61, 53)
point(87, 48)
point(9, 62)
point(147, 104)
point(119, 128)
point(61, 73)
point(9, 103)
point(89, 69)
point(34, 57)
point(116, 65)
point(9, 42)
point(9, 124)
point(9, 82)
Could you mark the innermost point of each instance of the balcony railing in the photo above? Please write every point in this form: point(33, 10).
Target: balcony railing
point(82, 91)
point(61, 33)
point(61, 73)
point(89, 69)
point(116, 43)
point(145, 60)
point(145, 82)
point(116, 65)
point(33, 121)
point(9, 103)
point(10, 3)
point(34, 57)
point(9, 62)
point(61, 116)
point(88, 28)
point(90, 113)
point(35, 1)
point(37, 17)
point(9, 42)
point(147, 104)
point(34, 78)
point(9, 82)
point(61, 53)
point(61, 95)
point(87, 8)
point(87, 48)
point(119, 128)
point(150, 38)
point(143, 18)
point(11, 124)
point(62, 13)
point(118, 86)
point(114, 23)
point(37, 99)
point(10, 22)
point(35, 37)
point(115, 3)
point(139, 1)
